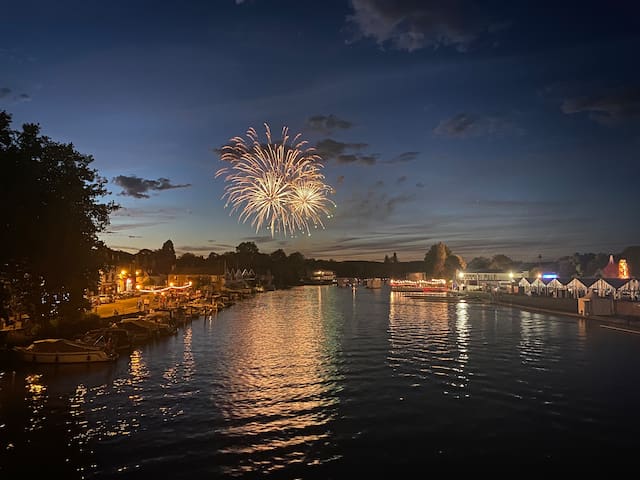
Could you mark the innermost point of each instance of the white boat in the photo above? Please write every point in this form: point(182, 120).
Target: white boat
point(60, 350)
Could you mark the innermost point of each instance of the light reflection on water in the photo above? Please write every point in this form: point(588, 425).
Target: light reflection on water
point(323, 381)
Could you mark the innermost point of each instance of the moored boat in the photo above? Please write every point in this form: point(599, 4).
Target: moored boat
point(60, 350)
point(108, 338)
point(425, 286)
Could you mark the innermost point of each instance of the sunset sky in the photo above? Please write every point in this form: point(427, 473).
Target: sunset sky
point(493, 126)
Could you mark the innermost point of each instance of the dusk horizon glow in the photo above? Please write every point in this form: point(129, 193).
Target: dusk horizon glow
point(495, 128)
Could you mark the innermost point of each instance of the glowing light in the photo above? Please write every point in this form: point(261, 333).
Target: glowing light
point(163, 289)
point(277, 185)
point(623, 269)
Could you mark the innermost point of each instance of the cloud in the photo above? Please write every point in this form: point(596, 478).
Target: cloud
point(413, 24)
point(465, 125)
point(609, 108)
point(403, 158)
point(5, 92)
point(372, 205)
point(402, 179)
point(327, 124)
point(420, 185)
point(259, 239)
point(340, 152)
point(138, 187)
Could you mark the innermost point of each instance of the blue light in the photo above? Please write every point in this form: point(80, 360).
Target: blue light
point(549, 275)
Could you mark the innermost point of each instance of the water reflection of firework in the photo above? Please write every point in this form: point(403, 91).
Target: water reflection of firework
point(277, 185)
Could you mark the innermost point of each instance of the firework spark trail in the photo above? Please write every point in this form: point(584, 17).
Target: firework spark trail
point(279, 185)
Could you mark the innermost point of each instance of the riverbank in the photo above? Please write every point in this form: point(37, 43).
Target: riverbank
point(549, 305)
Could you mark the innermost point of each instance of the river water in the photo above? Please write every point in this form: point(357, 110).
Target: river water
point(325, 382)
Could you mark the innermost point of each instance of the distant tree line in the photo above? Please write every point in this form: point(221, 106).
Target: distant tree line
point(290, 270)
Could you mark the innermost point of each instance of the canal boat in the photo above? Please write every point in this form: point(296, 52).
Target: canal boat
point(60, 350)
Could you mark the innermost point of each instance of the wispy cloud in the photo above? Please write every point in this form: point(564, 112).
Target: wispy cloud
point(327, 124)
point(371, 205)
point(125, 219)
point(340, 152)
point(138, 187)
point(6, 94)
point(403, 158)
point(411, 25)
point(607, 108)
point(259, 239)
point(464, 125)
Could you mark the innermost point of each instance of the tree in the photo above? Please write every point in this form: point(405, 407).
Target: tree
point(247, 248)
point(501, 262)
point(434, 260)
point(452, 264)
point(50, 219)
point(189, 260)
point(165, 258)
point(479, 264)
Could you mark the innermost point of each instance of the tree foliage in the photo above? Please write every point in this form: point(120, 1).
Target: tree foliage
point(479, 264)
point(501, 262)
point(434, 260)
point(51, 216)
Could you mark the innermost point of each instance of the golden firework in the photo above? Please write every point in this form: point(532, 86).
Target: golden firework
point(276, 185)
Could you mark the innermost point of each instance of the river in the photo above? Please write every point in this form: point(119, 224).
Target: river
point(328, 382)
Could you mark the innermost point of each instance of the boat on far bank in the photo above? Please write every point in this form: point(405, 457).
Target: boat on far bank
point(435, 285)
point(60, 350)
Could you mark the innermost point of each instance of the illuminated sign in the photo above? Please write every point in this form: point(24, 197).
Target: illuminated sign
point(549, 275)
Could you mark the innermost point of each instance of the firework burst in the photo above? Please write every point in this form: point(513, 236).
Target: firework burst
point(275, 185)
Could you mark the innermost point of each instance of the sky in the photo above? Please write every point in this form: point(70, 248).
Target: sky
point(496, 127)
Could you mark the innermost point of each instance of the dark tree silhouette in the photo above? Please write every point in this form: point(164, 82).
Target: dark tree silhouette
point(434, 260)
point(50, 219)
